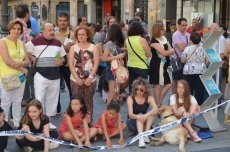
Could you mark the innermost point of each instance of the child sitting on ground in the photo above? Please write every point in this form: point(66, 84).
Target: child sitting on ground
point(74, 126)
point(35, 121)
point(110, 124)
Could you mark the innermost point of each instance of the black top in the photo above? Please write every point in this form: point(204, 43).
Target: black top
point(3, 139)
point(41, 127)
point(140, 108)
point(155, 71)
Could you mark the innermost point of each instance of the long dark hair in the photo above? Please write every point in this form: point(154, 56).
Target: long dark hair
point(26, 118)
point(115, 35)
point(83, 108)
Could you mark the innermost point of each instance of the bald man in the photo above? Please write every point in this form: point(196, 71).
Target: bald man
point(47, 54)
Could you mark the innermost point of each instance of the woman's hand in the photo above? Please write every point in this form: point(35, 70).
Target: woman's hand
point(109, 143)
point(121, 141)
point(88, 81)
point(25, 128)
point(79, 81)
point(87, 143)
point(24, 70)
point(121, 55)
point(15, 64)
point(142, 118)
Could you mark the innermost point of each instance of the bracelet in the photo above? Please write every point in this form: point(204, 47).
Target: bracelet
point(90, 76)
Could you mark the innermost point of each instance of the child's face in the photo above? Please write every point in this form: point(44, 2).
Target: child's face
point(76, 105)
point(34, 112)
point(112, 113)
point(180, 88)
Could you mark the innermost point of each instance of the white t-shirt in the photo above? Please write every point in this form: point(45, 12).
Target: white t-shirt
point(173, 100)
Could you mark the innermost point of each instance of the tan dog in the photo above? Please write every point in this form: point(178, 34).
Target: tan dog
point(176, 135)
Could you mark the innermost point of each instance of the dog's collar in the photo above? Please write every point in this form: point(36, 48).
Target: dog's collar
point(168, 116)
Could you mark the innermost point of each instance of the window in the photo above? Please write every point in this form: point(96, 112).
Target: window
point(142, 6)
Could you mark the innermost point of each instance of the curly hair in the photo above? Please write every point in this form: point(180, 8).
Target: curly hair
point(89, 32)
point(144, 83)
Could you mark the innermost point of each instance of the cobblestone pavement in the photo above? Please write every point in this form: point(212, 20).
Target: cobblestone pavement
point(219, 143)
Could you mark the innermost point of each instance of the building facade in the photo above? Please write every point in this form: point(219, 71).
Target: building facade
point(97, 10)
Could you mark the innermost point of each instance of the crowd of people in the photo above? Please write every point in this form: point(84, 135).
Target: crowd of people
point(78, 56)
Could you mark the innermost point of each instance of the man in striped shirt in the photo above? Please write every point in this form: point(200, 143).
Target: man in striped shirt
point(47, 54)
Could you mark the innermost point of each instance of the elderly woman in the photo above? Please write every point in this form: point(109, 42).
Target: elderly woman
point(13, 61)
point(141, 109)
point(83, 64)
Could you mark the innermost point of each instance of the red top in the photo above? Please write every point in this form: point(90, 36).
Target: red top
point(77, 124)
point(111, 122)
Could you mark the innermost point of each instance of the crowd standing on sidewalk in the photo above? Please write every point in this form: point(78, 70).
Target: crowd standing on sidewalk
point(77, 55)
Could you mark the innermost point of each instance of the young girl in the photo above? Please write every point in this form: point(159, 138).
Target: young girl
point(110, 123)
point(183, 105)
point(35, 121)
point(74, 126)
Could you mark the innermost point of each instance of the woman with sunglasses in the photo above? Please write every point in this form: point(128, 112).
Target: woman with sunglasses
point(141, 109)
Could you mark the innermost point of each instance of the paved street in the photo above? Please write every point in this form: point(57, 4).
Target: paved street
point(219, 143)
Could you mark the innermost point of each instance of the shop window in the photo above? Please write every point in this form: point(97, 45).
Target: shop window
point(142, 5)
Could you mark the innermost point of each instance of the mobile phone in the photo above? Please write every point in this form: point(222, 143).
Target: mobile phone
point(22, 77)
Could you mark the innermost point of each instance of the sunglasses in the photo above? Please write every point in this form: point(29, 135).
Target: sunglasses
point(139, 89)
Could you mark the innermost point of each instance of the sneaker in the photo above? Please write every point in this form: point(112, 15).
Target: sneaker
point(141, 143)
point(27, 149)
point(53, 145)
point(52, 126)
point(146, 139)
point(195, 137)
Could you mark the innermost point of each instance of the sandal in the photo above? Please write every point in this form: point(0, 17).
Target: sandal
point(195, 137)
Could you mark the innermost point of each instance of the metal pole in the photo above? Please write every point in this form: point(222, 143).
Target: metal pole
point(218, 79)
point(4, 14)
point(49, 12)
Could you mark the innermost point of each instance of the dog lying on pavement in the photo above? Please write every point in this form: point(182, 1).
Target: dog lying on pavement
point(176, 135)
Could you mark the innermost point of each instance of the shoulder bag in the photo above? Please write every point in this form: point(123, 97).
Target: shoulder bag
point(178, 66)
point(33, 71)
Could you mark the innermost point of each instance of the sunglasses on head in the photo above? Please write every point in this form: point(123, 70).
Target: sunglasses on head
point(141, 90)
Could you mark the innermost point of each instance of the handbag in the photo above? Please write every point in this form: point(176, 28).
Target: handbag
point(139, 56)
point(178, 66)
point(11, 82)
point(122, 74)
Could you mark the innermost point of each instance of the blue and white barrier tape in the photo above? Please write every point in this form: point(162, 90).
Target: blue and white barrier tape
point(131, 141)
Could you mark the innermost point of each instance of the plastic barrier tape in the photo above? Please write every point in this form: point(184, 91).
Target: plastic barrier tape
point(131, 141)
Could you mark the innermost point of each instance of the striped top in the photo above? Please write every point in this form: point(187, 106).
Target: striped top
point(46, 62)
